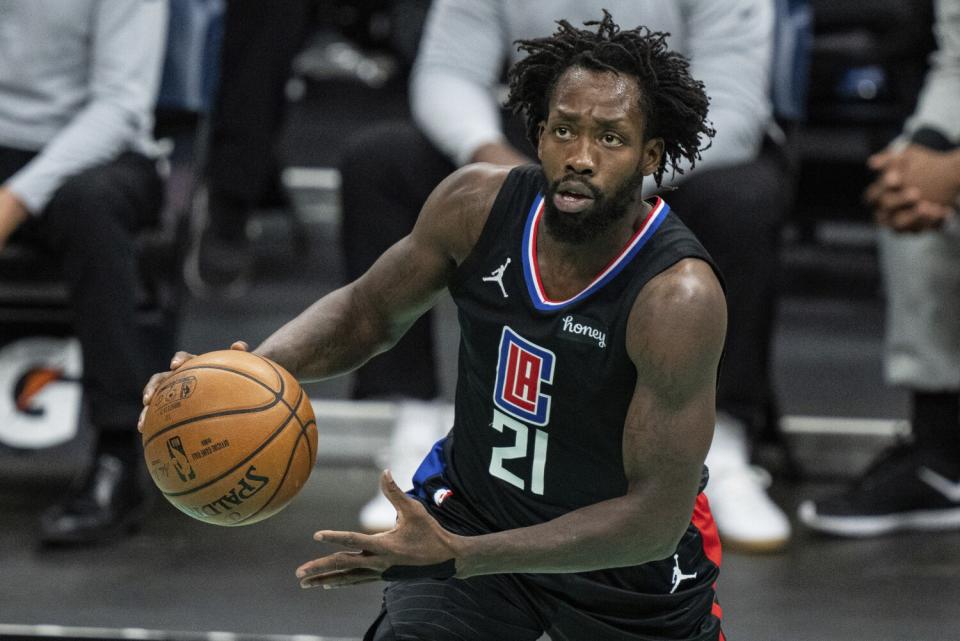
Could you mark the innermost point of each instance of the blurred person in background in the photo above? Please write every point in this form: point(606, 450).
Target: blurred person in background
point(733, 201)
point(243, 172)
point(78, 82)
point(916, 484)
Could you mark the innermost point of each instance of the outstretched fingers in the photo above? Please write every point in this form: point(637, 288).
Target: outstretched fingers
point(341, 579)
point(341, 568)
point(400, 500)
point(352, 540)
point(418, 540)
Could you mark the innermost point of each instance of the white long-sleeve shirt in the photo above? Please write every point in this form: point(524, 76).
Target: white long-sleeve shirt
point(467, 43)
point(78, 83)
point(939, 103)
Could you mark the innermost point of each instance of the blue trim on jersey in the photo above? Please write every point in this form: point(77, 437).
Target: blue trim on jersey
point(657, 216)
point(432, 465)
point(524, 258)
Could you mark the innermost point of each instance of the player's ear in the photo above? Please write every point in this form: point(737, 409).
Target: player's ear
point(652, 155)
point(540, 127)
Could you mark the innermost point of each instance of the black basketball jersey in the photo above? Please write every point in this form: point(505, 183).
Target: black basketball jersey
point(544, 385)
point(542, 396)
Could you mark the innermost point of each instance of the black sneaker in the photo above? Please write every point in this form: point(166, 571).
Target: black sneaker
point(110, 502)
point(897, 492)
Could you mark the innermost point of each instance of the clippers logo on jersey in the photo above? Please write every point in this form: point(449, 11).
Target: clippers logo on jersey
point(522, 369)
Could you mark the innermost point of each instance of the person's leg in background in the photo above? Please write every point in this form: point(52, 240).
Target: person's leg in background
point(386, 175)
point(737, 213)
point(914, 484)
point(90, 224)
point(260, 40)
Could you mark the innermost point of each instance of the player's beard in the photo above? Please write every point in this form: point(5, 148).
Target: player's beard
point(584, 226)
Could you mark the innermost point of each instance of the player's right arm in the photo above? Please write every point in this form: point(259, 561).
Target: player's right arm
point(344, 329)
point(350, 325)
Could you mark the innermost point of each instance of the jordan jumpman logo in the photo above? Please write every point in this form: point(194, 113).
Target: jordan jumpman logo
point(496, 276)
point(678, 574)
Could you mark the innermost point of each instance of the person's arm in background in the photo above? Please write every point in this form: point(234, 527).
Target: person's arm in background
point(918, 185)
point(454, 81)
point(127, 54)
point(937, 105)
point(730, 47)
point(453, 86)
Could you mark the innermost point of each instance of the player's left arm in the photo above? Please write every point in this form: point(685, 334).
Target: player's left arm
point(675, 338)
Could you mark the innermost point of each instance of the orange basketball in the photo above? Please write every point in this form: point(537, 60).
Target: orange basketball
point(230, 438)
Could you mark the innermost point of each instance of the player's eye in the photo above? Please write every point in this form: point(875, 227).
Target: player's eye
point(562, 132)
point(612, 140)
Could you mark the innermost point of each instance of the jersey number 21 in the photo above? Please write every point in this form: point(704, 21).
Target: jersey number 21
point(523, 369)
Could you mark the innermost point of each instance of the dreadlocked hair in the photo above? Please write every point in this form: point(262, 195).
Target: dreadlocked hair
point(674, 104)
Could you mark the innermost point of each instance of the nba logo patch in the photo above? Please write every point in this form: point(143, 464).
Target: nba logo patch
point(522, 370)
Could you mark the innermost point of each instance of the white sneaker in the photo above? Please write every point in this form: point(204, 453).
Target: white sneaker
point(747, 519)
point(419, 424)
point(378, 515)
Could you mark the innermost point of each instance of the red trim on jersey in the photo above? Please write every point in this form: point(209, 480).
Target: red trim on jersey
point(535, 264)
point(703, 520)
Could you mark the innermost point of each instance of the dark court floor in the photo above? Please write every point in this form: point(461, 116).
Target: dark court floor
point(181, 575)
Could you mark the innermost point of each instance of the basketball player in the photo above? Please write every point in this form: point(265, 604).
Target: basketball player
point(567, 499)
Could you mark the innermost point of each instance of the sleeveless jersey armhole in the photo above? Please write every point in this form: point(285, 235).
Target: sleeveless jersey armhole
point(507, 203)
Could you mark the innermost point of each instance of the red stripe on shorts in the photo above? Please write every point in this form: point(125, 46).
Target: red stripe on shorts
point(703, 520)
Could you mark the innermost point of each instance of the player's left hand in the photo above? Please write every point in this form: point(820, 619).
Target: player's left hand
point(417, 547)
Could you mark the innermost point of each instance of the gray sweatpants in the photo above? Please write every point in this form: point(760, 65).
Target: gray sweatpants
point(922, 278)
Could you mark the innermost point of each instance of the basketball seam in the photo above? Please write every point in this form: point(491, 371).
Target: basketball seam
point(262, 445)
point(239, 464)
point(278, 397)
point(303, 436)
point(303, 426)
point(229, 369)
point(286, 471)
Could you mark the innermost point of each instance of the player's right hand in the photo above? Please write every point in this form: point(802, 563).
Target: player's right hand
point(156, 381)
